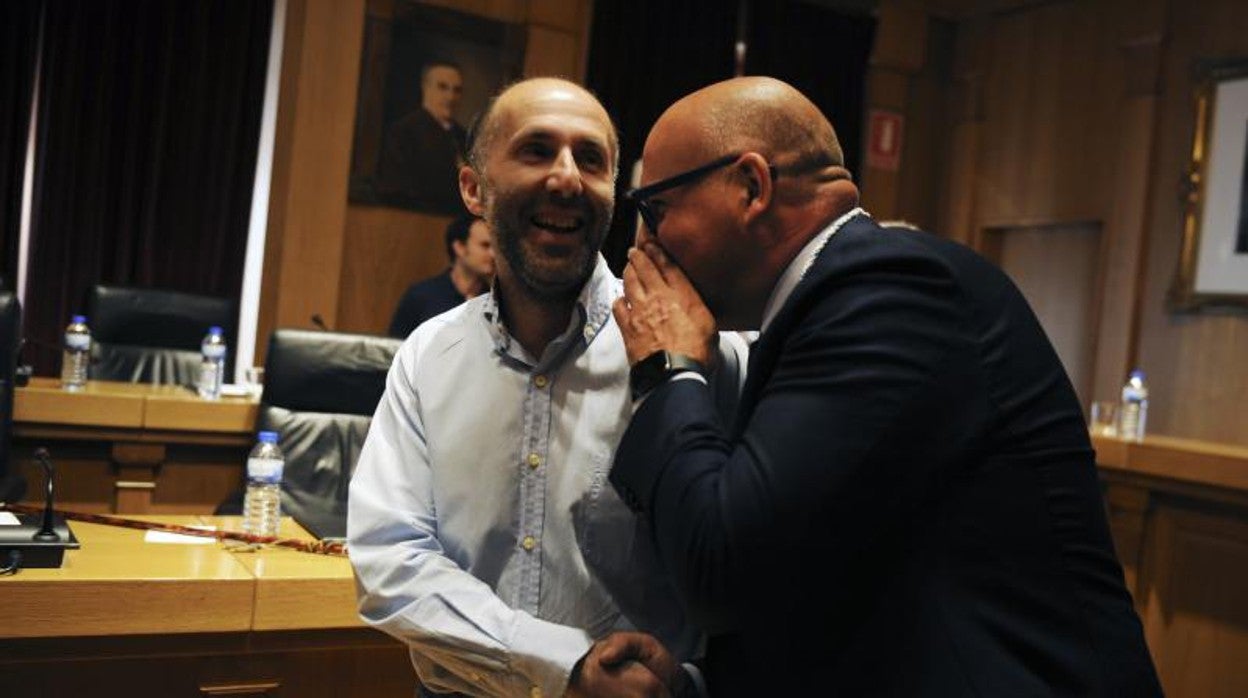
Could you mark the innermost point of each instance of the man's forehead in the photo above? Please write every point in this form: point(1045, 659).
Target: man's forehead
point(555, 113)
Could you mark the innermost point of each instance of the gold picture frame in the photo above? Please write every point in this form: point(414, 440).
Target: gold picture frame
point(1213, 260)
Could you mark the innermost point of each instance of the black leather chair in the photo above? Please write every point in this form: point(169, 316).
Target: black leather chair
point(12, 487)
point(148, 335)
point(320, 392)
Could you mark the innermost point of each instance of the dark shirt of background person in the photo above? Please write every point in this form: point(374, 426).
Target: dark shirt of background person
point(422, 151)
point(471, 253)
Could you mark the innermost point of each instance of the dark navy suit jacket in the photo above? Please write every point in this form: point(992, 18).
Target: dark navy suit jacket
point(908, 504)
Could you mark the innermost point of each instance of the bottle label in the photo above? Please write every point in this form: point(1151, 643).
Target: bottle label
point(77, 341)
point(265, 469)
point(214, 351)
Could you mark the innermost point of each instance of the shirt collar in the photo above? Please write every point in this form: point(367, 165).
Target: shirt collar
point(799, 266)
point(591, 313)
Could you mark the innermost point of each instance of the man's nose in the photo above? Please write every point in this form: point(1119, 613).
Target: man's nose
point(565, 176)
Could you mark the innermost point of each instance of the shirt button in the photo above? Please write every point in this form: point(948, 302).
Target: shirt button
point(540, 381)
point(534, 460)
point(529, 543)
point(589, 332)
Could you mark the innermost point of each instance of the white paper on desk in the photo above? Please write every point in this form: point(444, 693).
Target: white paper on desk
point(8, 519)
point(182, 538)
point(235, 390)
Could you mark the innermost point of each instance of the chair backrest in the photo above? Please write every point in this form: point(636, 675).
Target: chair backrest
point(320, 392)
point(10, 342)
point(148, 335)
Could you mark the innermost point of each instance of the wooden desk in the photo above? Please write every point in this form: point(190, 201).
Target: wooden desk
point(133, 448)
point(1178, 512)
point(124, 616)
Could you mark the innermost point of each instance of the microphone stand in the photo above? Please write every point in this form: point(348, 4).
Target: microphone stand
point(47, 529)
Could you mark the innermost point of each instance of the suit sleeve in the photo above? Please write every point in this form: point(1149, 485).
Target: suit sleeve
point(463, 637)
point(851, 425)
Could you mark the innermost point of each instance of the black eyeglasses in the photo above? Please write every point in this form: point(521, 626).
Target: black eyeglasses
point(641, 195)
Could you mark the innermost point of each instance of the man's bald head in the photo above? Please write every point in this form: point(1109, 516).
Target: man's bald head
point(758, 114)
point(484, 130)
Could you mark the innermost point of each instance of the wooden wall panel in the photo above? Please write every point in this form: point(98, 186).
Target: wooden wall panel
point(386, 249)
point(316, 114)
point(1082, 111)
point(1048, 116)
point(1196, 618)
point(921, 188)
point(1196, 363)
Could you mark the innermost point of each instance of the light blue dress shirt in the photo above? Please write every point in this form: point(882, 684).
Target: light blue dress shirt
point(481, 525)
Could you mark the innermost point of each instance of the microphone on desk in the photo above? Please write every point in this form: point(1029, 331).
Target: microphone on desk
point(47, 529)
point(319, 322)
point(25, 546)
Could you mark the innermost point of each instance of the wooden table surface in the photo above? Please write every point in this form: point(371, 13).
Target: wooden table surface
point(137, 406)
point(118, 583)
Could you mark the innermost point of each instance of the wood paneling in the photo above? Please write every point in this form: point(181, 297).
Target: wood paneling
point(1196, 613)
point(1043, 154)
point(389, 249)
point(1178, 510)
point(1197, 374)
point(172, 453)
point(1082, 111)
point(316, 113)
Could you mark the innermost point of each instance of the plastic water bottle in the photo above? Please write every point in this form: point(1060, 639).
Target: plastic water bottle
point(1133, 414)
point(76, 358)
point(212, 364)
point(262, 506)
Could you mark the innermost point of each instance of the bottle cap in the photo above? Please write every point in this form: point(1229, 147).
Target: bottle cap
point(1137, 373)
point(214, 330)
point(78, 319)
point(268, 437)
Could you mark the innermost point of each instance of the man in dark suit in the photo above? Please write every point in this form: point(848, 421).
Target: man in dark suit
point(907, 504)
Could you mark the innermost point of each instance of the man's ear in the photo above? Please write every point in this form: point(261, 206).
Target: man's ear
point(470, 191)
point(460, 248)
point(759, 186)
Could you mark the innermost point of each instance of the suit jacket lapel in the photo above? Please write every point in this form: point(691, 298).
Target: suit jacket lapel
point(766, 349)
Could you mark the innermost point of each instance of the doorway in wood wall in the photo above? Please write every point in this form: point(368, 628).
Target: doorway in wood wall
point(1057, 268)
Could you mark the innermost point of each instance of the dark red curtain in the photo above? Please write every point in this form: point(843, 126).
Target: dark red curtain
point(19, 34)
point(646, 54)
point(149, 115)
point(823, 53)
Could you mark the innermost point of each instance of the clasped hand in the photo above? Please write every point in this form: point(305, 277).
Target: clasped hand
point(660, 309)
point(628, 664)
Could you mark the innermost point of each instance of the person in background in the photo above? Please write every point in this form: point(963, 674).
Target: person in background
point(908, 503)
point(420, 156)
point(471, 254)
point(481, 527)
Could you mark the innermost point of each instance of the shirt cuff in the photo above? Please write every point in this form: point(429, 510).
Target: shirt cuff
point(695, 678)
point(545, 653)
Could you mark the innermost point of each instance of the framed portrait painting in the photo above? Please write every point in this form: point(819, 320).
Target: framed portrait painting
point(1213, 260)
point(425, 73)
